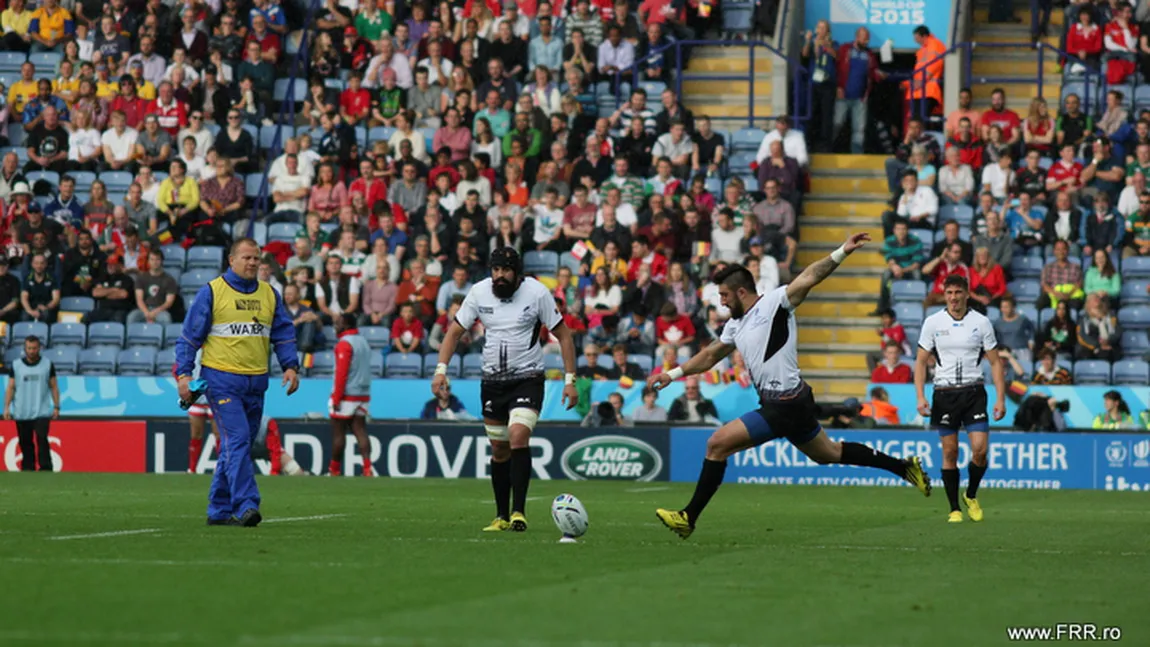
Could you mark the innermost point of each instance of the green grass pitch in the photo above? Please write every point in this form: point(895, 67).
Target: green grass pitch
point(126, 560)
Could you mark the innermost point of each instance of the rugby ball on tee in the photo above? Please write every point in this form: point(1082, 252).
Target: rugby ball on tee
point(570, 516)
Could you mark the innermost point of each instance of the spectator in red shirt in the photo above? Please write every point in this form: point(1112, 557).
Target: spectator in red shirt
point(268, 41)
point(891, 370)
point(661, 234)
point(406, 330)
point(355, 101)
point(999, 115)
point(372, 189)
point(421, 291)
point(968, 145)
point(1064, 176)
point(1084, 40)
point(674, 330)
point(170, 111)
point(641, 254)
point(128, 102)
point(443, 166)
point(987, 280)
point(948, 263)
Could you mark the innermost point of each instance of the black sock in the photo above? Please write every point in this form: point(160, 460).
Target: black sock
point(501, 485)
point(860, 454)
point(976, 474)
point(710, 478)
point(520, 477)
point(950, 480)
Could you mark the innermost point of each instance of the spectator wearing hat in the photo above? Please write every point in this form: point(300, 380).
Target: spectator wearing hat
point(114, 292)
point(145, 89)
point(19, 209)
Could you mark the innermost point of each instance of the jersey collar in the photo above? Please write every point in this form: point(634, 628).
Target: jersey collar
point(240, 284)
point(349, 331)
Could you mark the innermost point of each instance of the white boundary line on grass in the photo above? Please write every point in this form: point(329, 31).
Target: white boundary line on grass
point(315, 517)
point(636, 490)
point(115, 533)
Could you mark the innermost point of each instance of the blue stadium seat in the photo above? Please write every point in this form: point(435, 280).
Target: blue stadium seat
point(1026, 267)
point(284, 88)
point(282, 232)
point(380, 133)
point(472, 366)
point(908, 311)
point(378, 337)
point(570, 262)
point(740, 163)
point(205, 257)
point(907, 291)
point(146, 334)
point(51, 177)
point(376, 364)
point(46, 62)
point(172, 332)
point(193, 280)
point(16, 135)
point(260, 233)
point(403, 365)
point(14, 353)
point(268, 136)
point(66, 359)
point(1135, 343)
point(165, 360)
point(993, 314)
point(12, 60)
point(84, 179)
point(116, 180)
point(1136, 267)
point(1091, 371)
point(1134, 293)
point(77, 304)
point(925, 237)
point(174, 256)
point(960, 213)
point(106, 333)
point(1131, 373)
point(1026, 291)
point(737, 16)
point(1134, 318)
point(1030, 312)
point(23, 329)
point(69, 334)
point(606, 361)
point(933, 310)
point(747, 140)
point(552, 362)
point(252, 185)
point(138, 361)
point(545, 263)
point(323, 364)
point(645, 362)
point(98, 361)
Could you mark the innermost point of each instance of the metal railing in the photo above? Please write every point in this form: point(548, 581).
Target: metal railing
point(800, 84)
point(286, 116)
point(1041, 50)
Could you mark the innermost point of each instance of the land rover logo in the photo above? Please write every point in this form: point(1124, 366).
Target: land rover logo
point(611, 458)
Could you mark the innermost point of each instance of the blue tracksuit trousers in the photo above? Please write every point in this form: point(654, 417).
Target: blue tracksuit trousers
point(237, 402)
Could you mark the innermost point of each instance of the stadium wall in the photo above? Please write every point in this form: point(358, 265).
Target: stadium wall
point(1097, 461)
point(139, 398)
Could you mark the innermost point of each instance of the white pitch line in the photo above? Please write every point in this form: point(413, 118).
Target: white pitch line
point(116, 533)
point(637, 490)
point(530, 498)
point(315, 517)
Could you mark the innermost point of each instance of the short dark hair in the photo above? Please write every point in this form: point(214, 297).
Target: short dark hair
point(243, 241)
point(735, 277)
point(348, 320)
point(922, 30)
point(956, 281)
point(33, 339)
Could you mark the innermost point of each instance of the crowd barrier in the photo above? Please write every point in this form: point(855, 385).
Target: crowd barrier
point(1096, 461)
point(403, 399)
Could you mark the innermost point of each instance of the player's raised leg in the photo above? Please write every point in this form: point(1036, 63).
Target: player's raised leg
point(728, 439)
point(823, 451)
point(500, 467)
point(979, 442)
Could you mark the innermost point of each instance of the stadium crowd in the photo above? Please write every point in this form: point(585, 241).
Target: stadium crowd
point(427, 135)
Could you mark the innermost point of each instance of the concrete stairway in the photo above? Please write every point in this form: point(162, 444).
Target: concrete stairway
point(723, 93)
point(1019, 65)
point(848, 194)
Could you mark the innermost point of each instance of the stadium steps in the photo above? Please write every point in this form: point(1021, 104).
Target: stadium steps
point(848, 194)
point(1019, 65)
point(725, 97)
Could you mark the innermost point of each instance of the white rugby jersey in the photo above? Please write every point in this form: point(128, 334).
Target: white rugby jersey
point(513, 348)
point(958, 346)
point(768, 339)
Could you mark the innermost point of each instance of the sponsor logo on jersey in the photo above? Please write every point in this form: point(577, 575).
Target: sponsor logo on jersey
point(486, 310)
point(611, 458)
point(248, 304)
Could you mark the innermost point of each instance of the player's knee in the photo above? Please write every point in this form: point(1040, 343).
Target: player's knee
point(950, 456)
point(978, 455)
point(500, 451)
point(719, 447)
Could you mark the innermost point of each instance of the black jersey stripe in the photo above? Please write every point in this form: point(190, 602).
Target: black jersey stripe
point(780, 332)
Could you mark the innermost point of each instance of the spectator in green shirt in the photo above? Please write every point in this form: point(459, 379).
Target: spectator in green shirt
point(523, 130)
point(903, 254)
point(370, 22)
point(1102, 278)
point(632, 189)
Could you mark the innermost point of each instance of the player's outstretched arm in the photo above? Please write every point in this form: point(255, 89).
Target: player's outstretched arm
point(702, 361)
point(815, 273)
point(446, 350)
